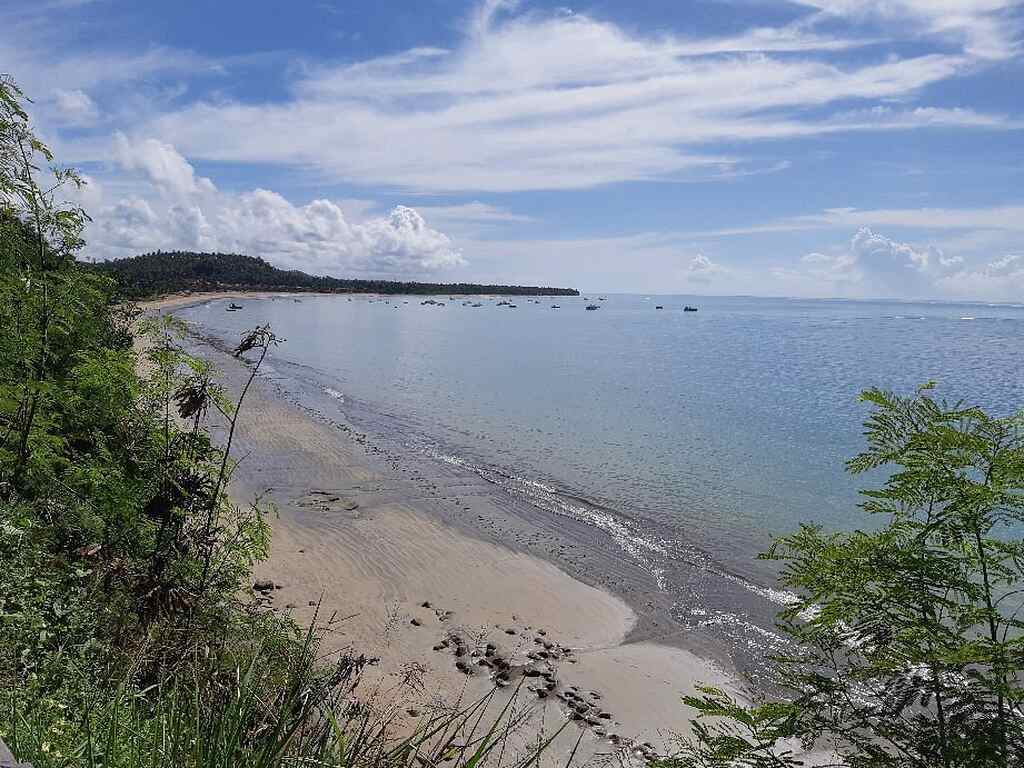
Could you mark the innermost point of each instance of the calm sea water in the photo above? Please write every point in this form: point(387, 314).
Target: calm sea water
point(696, 433)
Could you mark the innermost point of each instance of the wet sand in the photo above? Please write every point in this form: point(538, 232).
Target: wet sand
point(425, 569)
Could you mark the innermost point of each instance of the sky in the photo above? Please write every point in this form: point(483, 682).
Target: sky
point(833, 148)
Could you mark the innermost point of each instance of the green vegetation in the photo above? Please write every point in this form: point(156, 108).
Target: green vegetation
point(126, 634)
point(155, 274)
point(909, 644)
point(127, 638)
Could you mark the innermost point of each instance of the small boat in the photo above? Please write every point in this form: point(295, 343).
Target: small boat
point(555, 306)
point(659, 307)
point(592, 307)
point(688, 308)
point(232, 307)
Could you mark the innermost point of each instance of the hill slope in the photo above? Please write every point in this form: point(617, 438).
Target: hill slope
point(153, 274)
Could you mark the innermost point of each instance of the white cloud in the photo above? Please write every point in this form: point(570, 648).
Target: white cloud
point(1007, 218)
point(75, 107)
point(534, 101)
point(876, 265)
point(701, 269)
point(1000, 279)
point(162, 164)
point(877, 253)
point(191, 213)
point(986, 28)
point(472, 214)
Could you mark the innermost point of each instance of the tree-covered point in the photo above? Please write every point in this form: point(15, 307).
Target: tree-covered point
point(163, 272)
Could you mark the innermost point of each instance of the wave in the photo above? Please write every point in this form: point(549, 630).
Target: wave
point(333, 393)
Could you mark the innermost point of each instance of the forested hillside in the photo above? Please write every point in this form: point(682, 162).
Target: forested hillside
point(162, 272)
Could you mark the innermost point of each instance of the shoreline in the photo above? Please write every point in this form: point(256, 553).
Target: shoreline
point(421, 564)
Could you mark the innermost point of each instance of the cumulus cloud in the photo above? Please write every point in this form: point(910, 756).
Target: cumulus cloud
point(879, 254)
point(873, 264)
point(1000, 279)
point(701, 269)
point(189, 212)
point(161, 163)
point(75, 107)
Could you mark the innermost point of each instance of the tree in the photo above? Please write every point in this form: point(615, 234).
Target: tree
point(908, 637)
point(39, 234)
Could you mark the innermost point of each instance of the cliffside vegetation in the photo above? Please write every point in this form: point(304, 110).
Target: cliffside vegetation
point(127, 637)
point(162, 272)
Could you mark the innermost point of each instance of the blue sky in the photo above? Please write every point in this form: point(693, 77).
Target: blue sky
point(812, 148)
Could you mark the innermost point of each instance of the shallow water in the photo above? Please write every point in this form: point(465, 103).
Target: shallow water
point(689, 438)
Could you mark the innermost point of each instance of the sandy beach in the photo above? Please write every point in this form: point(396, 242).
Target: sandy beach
point(364, 544)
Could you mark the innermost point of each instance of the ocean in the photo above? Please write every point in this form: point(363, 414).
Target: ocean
point(688, 438)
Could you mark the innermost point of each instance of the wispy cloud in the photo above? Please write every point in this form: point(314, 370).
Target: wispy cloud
point(988, 29)
point(552, 101)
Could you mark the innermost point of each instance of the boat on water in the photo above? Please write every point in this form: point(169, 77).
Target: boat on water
point(592, 307)
point(555, 306)
point(232, 307)
point(688, 308)
point(659, 307)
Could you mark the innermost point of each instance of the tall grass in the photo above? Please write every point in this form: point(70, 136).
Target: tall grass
point(255, 715)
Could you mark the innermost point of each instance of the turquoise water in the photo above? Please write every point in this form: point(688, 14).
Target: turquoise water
point(696, 435)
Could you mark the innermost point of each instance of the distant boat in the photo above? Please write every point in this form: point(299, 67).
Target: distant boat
point(688, 308)
point(659, 307)
point(232, 307)
point(555, 306)
point(601, 298)
point(592, 307)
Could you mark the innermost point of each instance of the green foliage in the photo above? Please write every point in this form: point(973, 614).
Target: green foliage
point(154, 274)
point(909, 637)
point(126, 637)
